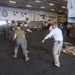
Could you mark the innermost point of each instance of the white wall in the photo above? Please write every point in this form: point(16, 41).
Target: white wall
point(33, 15)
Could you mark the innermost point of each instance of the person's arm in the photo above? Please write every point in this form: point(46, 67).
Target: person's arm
point(48, 36)
point(70, 26)
point(50, 28)
point(15, 35)
point(13, 28)
point(29, 30)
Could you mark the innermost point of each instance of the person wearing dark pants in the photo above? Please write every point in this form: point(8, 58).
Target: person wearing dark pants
point(19, 37)
point(62, 28)
point(68, 30)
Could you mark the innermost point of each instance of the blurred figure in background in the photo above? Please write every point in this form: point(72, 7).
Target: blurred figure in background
point(25, 28)
point(62, 28)
point(68, 29)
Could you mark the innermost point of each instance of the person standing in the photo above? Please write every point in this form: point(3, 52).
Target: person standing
point(58, 42)
point(62, 28)
point(68, 30)
point(25, 28)
point(19, 37)
point(50, 28)
point(11, 32)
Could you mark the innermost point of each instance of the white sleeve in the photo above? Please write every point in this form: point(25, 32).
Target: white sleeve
point(50, 34)
point(50, 28)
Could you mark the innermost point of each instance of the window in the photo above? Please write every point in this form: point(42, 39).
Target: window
point(2, 23)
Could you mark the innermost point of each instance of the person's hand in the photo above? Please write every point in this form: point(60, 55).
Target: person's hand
point(29, 30)
point(13, 39)
point(43, 41)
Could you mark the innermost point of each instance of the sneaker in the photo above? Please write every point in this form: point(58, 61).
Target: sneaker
point(14, 56)
point(57, 64)
point(27, 59)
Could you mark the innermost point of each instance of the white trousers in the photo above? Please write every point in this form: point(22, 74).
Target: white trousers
point(56, 51)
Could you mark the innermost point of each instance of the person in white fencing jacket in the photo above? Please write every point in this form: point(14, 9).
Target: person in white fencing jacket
point(58, 42)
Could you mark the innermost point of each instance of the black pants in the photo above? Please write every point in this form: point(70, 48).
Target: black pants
point(68, 32)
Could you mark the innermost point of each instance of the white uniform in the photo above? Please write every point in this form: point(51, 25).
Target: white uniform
point(50, 28)
point(71, 11)
point(58, 38)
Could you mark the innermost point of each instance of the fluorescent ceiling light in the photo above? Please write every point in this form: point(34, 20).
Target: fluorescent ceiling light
point(52, 9)
point(63, 7)
point(28, 5)
point(12, 1)
point(42, 7)
point(37, 1)
point(51, 4)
